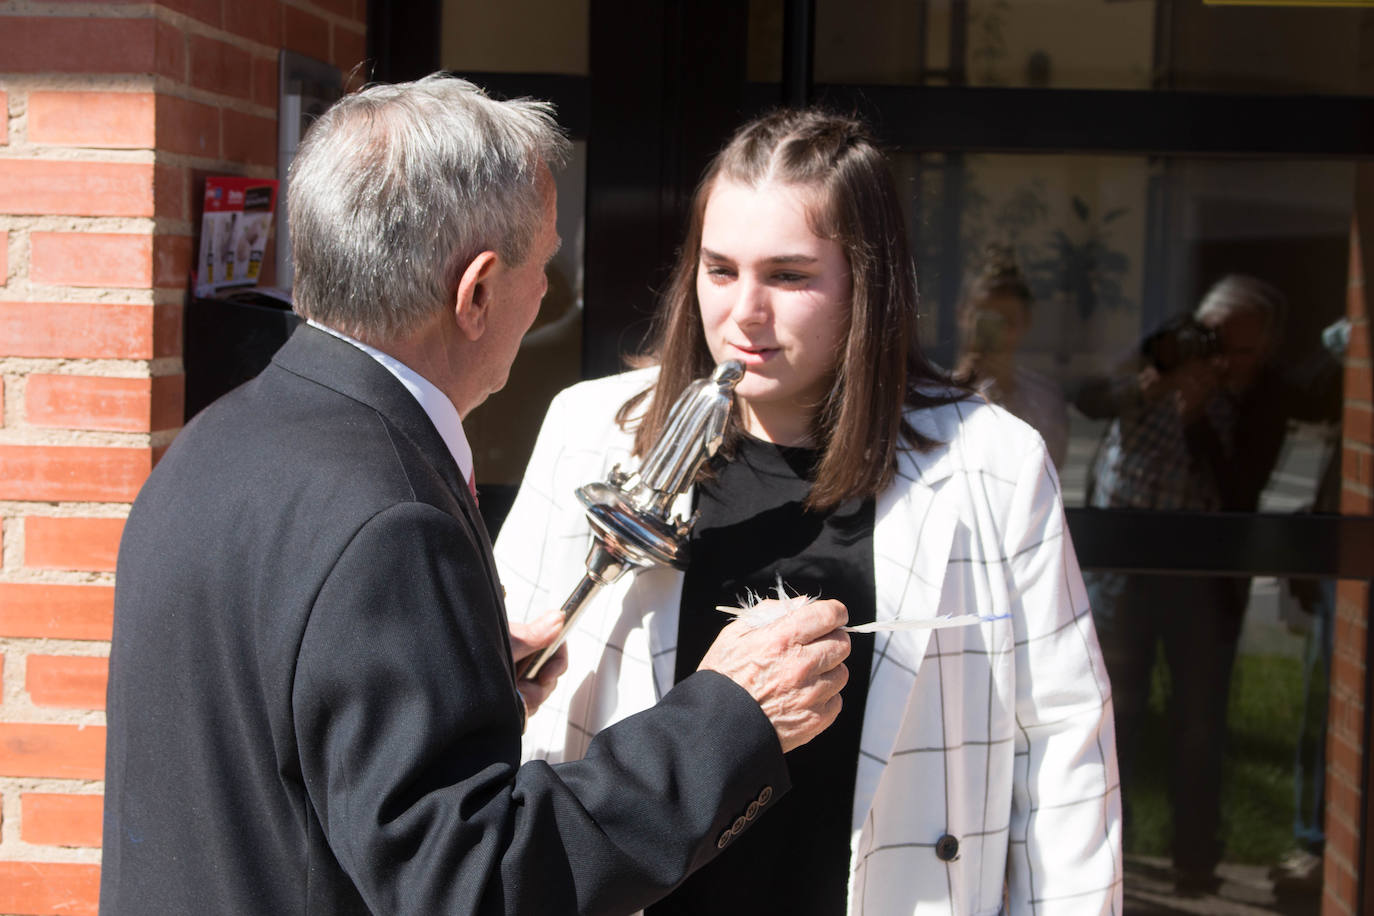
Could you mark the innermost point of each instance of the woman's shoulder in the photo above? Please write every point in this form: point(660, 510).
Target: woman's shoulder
point(981, 429)
point(605, 395)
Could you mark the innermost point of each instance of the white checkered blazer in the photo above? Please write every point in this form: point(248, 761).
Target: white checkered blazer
point(998, 734)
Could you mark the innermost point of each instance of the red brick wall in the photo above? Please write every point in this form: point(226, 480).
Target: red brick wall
point(111, 115)
point(1346, 758)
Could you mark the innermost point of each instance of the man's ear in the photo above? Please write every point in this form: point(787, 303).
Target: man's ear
point(474, 298)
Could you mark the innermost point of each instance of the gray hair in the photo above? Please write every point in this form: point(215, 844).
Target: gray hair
point(1240, 292)
point(396, 188)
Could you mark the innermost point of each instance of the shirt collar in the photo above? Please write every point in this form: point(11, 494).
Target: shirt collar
point(434, 402)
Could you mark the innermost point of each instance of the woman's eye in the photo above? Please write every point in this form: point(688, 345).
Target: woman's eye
point(716, 271)
point(790, 278)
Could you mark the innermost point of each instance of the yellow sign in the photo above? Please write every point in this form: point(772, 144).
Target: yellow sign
point(1365, 4)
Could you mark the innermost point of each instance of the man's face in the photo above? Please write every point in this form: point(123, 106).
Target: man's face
point(517, 291)
point(1244, 346)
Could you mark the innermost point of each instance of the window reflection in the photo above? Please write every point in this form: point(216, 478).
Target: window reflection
point(1113, 249)
point(1188, 318)
point(1073, 44)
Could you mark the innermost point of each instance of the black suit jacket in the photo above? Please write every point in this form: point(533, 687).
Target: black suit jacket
point(312, 706)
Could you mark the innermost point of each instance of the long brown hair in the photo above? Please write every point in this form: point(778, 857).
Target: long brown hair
point(881, 370)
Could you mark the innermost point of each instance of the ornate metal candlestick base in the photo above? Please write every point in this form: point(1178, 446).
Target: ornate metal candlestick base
point(629, 512)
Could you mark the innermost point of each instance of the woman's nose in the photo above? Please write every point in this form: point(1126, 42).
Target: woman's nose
point(751, 303)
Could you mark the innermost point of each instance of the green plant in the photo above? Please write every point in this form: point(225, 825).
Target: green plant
point(1083, 268)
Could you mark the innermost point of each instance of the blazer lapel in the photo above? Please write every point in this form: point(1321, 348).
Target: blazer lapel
point(663, 590)
point(911, 547)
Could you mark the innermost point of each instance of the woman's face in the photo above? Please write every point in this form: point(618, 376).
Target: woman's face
point(776, 297)
point(995, 324)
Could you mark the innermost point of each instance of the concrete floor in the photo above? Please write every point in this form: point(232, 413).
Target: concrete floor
point(1245, 891)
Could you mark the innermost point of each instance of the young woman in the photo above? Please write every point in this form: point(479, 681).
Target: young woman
point(994, 316)
point(972, 768)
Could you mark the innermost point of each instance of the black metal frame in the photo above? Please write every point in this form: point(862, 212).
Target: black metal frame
point(1137, 123)
point(403, 39)
point(1294, 545)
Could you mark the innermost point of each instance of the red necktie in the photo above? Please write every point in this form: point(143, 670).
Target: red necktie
point(472, 486)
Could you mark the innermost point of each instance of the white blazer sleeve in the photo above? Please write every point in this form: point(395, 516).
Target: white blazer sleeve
point(541, 552)
point(530, 550)
point(1065, 844)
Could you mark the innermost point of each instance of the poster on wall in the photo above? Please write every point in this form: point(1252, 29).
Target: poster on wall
point(233, 232)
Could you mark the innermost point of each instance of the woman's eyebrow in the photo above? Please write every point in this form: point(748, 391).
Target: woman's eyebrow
point(710, 255)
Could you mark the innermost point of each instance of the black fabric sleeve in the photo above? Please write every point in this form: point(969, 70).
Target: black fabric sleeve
point(407, 728)
point(1107, 397)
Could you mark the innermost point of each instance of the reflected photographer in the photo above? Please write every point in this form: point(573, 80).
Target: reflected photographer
point(1198, 418)
point(1179, 341)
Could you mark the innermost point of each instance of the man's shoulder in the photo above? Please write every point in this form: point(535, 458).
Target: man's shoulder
point(282, 434)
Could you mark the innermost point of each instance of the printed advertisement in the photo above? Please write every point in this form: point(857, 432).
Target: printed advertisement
point(233, 232)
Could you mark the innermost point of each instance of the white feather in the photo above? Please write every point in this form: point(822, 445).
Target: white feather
point(754, 613)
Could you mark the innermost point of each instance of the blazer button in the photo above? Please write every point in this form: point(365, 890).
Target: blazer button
point(752, 811)
point(765, 795)
point(946, 848)
point(737, 827)
point(724, 840)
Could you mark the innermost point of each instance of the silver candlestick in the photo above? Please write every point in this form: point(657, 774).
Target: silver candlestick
point(629, 512)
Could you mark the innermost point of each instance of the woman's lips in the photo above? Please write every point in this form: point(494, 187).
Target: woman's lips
point(753, 356)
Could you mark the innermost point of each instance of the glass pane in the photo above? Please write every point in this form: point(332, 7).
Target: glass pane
point(1115, 249)
point(1082, 292)
point(502, 431)
point(1220, 731)
point(515, 36)
point(1076, 44)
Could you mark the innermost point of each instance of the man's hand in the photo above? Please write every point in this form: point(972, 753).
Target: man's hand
point(527, 639)
point(1190, 385)
point(794, 667)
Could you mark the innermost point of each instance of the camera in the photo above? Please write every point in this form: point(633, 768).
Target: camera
point(1180, 341)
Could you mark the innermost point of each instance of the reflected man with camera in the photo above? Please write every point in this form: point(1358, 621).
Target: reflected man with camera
point(1218, 351)
point(1197, 425)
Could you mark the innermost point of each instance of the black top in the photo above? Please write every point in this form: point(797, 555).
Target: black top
point(752, 527)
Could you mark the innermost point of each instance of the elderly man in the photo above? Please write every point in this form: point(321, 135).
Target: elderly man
point(313, 706)
point(1197, 425)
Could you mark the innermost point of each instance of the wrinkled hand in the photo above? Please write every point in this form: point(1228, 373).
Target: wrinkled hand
point(529, 638)
point(793, 667)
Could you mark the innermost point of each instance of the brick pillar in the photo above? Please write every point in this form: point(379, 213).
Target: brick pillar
point(1347, 759)
point(109, 121)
